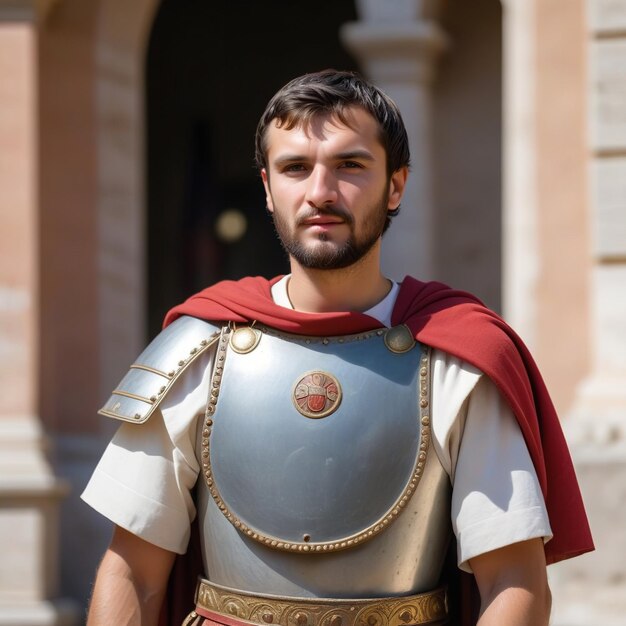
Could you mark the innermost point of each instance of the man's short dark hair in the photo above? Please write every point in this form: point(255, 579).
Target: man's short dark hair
point(331, 92)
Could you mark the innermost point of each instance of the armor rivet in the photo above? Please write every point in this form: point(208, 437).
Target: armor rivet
point(268, 618)
point(306, 537)
point(396, 511)
point(424, 403)
point(193, 351)
point(325, 341)
point(336, 620)
point(371, 620)
point(205, 454)
point(209, 480)
point(181, 363)
point(301, 618)
point(380, 332)
point(162, 389)
point(422, 456)
point(425, 420)
point(406, 616)
point(209, 422)
point(306, 548)
point(170, 374)
point(237, 524)
point(423, 371)
point(205, 432)
point(137, 416)
point(204, 342)
point(249, 533)
point(152, 398)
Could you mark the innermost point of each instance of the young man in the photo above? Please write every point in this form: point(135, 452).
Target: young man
point(332, 428)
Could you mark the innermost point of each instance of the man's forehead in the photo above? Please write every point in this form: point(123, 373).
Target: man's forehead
point(321, 125)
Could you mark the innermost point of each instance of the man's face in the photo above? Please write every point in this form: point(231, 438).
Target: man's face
point(328, 189)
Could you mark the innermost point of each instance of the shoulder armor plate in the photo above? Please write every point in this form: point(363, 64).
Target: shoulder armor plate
point(157, 368)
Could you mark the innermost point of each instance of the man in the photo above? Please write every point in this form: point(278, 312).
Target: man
point(332, 428)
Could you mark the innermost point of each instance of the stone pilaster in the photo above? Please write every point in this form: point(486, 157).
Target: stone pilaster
point(397, 45)
point(29, 491)
point(595, 585)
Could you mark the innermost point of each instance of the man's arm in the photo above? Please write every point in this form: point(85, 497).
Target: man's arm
point(513, 585)
point(130, 583)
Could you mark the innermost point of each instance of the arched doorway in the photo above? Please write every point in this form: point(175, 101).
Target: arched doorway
point(209, 73)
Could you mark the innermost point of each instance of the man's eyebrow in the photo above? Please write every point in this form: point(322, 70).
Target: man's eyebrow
point(363, 155)
point(288, 158)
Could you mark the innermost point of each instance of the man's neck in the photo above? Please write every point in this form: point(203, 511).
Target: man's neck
point(356, 288)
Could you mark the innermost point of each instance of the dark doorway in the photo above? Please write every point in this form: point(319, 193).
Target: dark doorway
point(211, 67)
point(467, 133)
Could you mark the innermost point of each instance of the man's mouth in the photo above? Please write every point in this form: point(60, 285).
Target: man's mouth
point(322, 220)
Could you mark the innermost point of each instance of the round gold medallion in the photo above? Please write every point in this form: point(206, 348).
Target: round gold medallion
point(245, 339)
point(317, 394)
point(399, 339)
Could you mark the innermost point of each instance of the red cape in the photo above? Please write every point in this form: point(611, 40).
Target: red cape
point(458, 323)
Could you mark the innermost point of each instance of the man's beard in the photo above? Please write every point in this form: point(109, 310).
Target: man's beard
point(328, 255)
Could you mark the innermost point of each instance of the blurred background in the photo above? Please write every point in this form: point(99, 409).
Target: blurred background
point(127, 183)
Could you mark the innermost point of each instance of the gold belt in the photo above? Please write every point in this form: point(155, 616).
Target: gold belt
point(264, 610)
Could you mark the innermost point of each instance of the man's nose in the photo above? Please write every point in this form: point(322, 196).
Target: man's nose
point(322, 187)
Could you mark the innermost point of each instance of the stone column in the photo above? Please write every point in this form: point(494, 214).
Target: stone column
point(397, 45)
point(29, 491)
point(520, 256)
point(596, 584)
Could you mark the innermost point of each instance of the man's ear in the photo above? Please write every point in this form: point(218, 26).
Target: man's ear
point(397, 184)
point(268, 195)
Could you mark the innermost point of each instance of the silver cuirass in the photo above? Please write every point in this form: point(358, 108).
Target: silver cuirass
point(320, 479)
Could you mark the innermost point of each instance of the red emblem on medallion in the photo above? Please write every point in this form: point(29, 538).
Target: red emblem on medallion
point(317, 394)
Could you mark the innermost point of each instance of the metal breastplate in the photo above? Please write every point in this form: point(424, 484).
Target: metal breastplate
point(318, 476)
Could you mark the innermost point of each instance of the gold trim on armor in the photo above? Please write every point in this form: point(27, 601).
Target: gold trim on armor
point(147, 368)
point(132, 396)
point(422, 608)
point(322, 546)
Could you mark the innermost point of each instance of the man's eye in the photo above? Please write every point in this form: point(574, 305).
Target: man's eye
point(351, 165)
point(294, 167)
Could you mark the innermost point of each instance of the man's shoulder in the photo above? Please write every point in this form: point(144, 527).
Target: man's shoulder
point(158, 367)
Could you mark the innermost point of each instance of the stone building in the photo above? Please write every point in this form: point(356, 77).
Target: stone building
point(127, 182)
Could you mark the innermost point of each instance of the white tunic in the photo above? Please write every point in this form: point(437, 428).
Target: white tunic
point(144, 480)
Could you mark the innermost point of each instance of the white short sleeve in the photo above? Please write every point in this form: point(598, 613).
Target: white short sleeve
point(496, 498)
point(145, 477)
